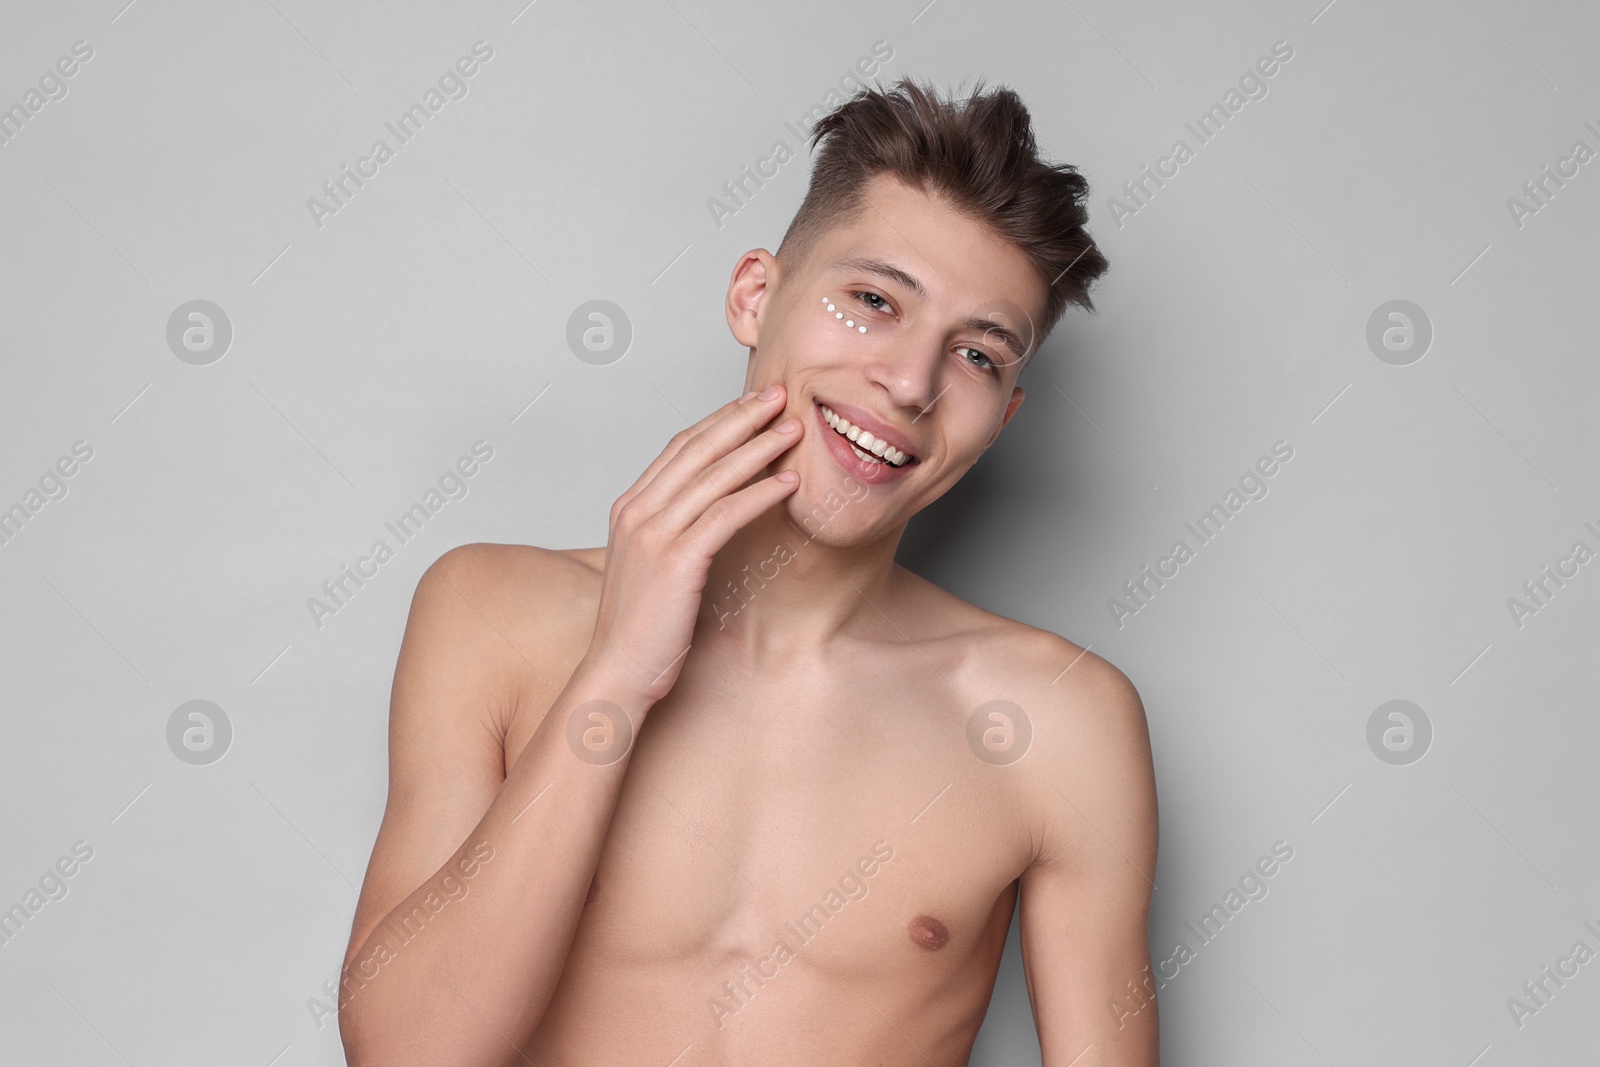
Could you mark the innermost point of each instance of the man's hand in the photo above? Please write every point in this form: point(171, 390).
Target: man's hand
point(667, 527)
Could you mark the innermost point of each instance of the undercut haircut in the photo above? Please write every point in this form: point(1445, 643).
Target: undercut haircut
point(979, 154)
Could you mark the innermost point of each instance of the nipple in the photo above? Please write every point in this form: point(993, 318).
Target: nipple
point(928, 932)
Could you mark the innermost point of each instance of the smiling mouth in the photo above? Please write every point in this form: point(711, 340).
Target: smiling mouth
point(867, 448)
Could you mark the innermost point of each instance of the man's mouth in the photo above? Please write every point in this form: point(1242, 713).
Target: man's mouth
point(867, 448)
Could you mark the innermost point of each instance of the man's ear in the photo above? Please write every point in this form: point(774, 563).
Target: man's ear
point(1011, 409)
point(756, 271)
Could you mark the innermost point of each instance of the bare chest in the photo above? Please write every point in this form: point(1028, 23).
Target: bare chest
point(837, 825)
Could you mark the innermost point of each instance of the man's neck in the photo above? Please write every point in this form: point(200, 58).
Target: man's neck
point(780, 591)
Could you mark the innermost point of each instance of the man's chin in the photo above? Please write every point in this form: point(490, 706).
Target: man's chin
point(836, 518)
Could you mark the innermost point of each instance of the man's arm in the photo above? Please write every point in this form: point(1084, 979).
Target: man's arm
point(473, 892)
point(475, 888)
point(1086, 898)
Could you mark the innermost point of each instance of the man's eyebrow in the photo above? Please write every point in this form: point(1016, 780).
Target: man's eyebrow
point(992, 328)
point(884, 269)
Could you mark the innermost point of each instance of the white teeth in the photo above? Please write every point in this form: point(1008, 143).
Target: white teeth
point(869, 457)
point(866, 446)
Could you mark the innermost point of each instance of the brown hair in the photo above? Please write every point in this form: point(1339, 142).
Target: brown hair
point(980, 154)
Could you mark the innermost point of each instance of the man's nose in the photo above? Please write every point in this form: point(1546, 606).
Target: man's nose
point(911, 370)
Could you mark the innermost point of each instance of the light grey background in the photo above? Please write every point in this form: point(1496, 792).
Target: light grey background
point(431, 311)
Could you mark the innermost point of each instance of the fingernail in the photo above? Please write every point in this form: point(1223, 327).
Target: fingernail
point(788, 425)
point(747, 396)
point(769, 393)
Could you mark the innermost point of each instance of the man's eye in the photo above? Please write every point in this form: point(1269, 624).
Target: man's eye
point(987, 364)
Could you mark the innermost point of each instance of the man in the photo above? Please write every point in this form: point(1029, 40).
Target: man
point(736, 788)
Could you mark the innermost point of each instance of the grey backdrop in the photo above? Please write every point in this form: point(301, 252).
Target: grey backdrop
point(216, 487)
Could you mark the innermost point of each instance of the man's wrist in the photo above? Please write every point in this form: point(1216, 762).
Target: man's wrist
point(604, 676)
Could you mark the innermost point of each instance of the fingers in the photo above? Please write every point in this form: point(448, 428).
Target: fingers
point(672, 450)
point(695, 449)
point(725, 475)
point(728, 514)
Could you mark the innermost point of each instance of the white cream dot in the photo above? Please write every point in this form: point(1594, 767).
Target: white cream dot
point(838, 314)
point(830, 307)
point(849, 322)
point(863, 329)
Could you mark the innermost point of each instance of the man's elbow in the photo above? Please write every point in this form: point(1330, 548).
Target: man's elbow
point(360, 1030)
point(353, 1036)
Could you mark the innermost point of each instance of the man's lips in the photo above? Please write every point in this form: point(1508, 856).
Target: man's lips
point(868, 423)
point(848, 456)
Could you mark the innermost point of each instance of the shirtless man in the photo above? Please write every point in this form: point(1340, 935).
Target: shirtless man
point(737, 789)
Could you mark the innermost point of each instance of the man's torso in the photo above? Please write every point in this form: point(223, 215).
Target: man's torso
point(808, 863)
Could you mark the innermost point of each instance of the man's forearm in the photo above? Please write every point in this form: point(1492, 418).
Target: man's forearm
point(461, 971)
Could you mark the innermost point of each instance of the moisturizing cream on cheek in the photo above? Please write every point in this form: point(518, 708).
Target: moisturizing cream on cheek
point(839, 315)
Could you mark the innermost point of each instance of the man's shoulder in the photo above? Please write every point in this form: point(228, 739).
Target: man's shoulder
point(531, 596)
point(1080, 725)
point(1066, 687)
point(1080, 717)
point(1062, 678)
point(520, 569)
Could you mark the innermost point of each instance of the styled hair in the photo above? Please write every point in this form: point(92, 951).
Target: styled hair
point(978, 153)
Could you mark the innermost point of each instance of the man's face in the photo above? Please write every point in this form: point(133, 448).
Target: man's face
point(939, 295)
